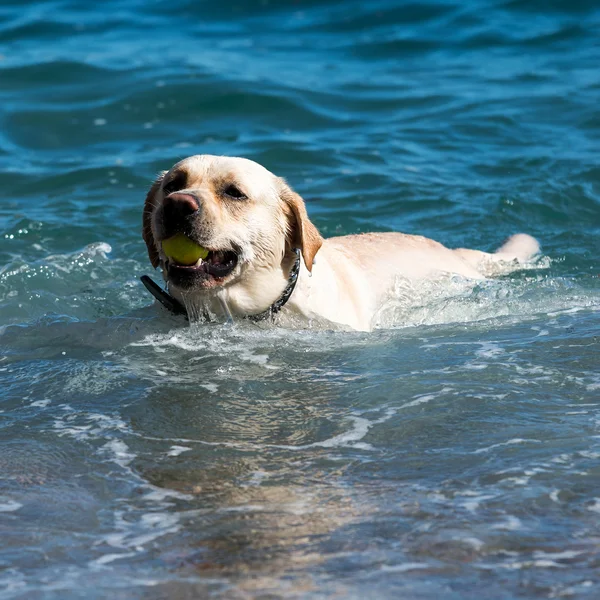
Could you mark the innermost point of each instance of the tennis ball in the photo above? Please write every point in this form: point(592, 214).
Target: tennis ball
point(183, 250)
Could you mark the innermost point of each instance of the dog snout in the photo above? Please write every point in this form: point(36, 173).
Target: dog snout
point(178, 212)
point(180, 205)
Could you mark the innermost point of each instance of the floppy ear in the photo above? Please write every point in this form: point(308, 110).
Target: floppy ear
point(147, 220)
point(303, 234)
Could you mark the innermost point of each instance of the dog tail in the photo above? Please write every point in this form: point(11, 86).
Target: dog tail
point(520, 246)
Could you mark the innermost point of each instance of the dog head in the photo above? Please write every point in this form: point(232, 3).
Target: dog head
point(247, 219)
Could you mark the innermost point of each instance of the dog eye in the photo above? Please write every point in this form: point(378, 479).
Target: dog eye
point(234, 192)
point(168, 188)
point(174, 184)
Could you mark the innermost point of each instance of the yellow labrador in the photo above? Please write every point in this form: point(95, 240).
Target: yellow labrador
point(254, 228)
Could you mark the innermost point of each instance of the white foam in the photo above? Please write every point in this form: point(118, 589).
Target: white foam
point(245, 508)
point(512, 523)
point(527, 564)
point(563, 459)
point(96, 427)
point(473, 366)
point(12, 580)
point(489, 350)
point(402, 568)
point(40, 403)
point(595, 507)
point(177, 450)
point(102, 427)
point(458, 300)
point(158, 524)
point(475, 500)
point(119, 452)
point(108, 558)
point(362, 425)
point(211, 387)
point(507, 443)
point(347, 438)
point(517, 480)
point(589, 454)
point(9, 505)
point(158, 494)
point(594, 386)
point(423, 399)
point(190, 341)
point(564, 555)
point(127, 537)
point(351, 438)
point(257, 478)
point(358, 432)
point(472, 541)
point(567, 311)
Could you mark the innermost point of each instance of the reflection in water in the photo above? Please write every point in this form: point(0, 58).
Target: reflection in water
point(239, 459)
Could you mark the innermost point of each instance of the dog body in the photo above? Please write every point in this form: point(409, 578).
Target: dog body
point(352, 275)
point(250, 221)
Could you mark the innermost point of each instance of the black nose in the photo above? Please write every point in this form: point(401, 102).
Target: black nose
point(178, 206)
point(178, 211)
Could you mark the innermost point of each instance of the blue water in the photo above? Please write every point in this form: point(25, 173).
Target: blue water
point(452, 453)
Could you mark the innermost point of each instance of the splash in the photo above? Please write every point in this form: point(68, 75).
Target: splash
point(454, 299)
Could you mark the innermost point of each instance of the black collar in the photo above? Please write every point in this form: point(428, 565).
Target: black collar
point(177, 308)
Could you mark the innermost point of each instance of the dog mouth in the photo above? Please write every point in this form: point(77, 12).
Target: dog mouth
point(189, 264)
point(218, 263)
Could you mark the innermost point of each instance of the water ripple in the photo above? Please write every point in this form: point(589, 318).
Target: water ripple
point(455, 448)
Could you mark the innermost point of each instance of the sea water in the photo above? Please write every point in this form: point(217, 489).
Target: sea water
point(452, 453)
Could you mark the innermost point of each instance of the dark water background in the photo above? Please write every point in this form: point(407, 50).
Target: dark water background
point(454, 455)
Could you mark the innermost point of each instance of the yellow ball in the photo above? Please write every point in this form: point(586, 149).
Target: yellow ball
point(183, 250)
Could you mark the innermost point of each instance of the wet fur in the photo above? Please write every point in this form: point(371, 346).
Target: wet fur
point(342, 279)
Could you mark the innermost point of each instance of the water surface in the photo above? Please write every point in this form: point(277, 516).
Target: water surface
point(451, 453)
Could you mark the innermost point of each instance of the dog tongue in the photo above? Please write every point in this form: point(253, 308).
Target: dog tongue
point(182, 250)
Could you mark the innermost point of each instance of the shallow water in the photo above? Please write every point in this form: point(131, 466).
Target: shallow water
point(451, 453)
